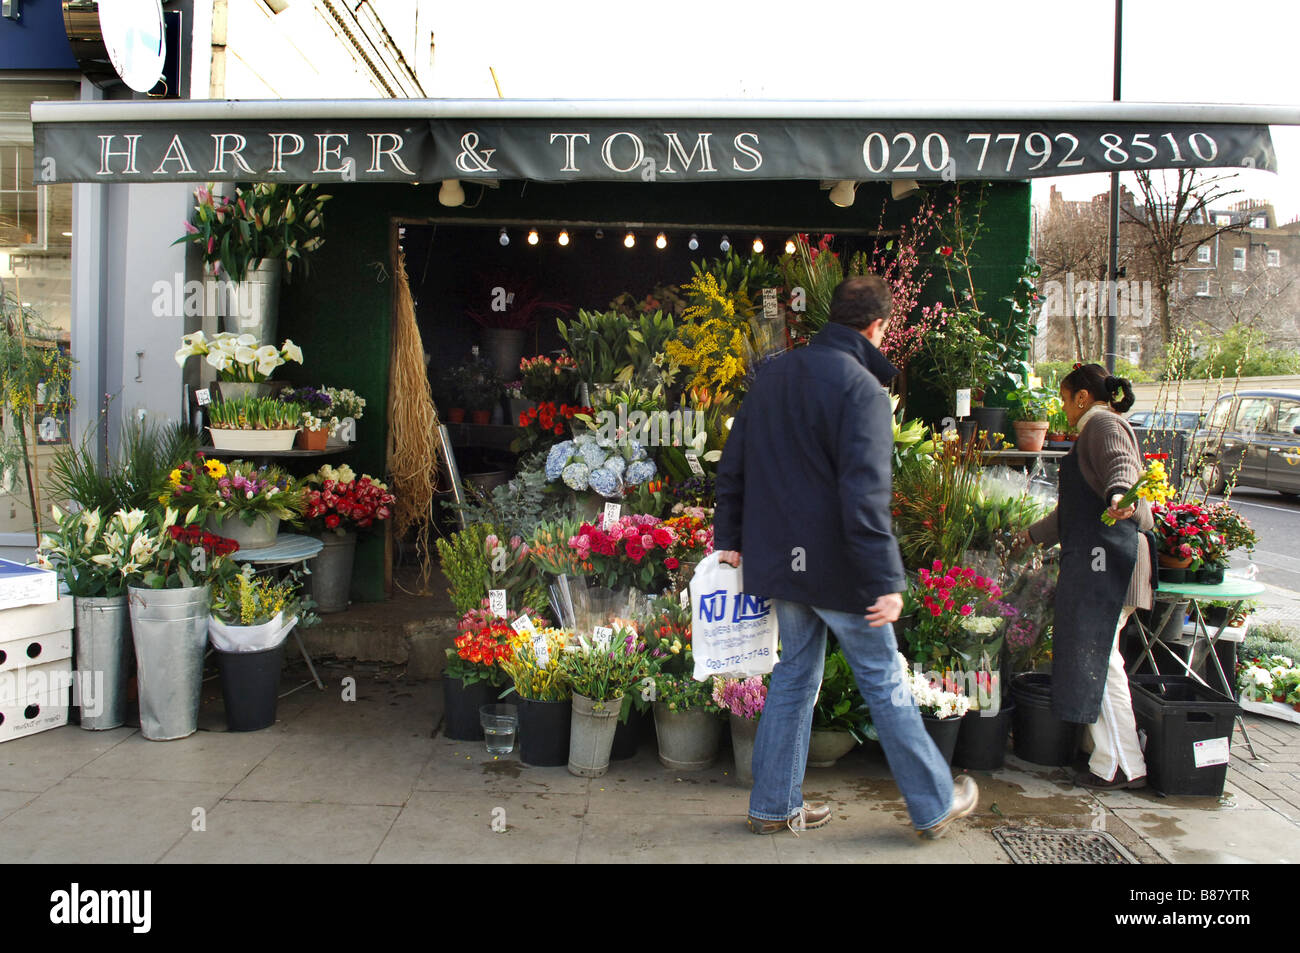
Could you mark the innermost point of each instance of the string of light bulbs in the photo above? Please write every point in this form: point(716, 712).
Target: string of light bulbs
point(564, 239)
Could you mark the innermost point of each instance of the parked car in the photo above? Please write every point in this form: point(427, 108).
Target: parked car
point(1253, 439)
point(1166, 419)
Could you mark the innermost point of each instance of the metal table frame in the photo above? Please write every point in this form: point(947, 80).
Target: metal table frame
point(1169, 595)
point(289, 548)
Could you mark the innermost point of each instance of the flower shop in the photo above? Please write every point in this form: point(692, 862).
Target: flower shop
point(505, 357)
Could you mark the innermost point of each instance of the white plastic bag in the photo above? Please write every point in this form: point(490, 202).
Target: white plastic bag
point(249, 638)
point(732, 633)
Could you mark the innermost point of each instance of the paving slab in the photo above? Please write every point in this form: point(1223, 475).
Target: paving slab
point(40, 761)
point(101, 821)
point(220, 757)
point(262, 832)
point(11, 801)
point(387, 710)
point(643, 785)
point(1216, 837)
point(437, 827)
point(674, 838)
point(340, 769)
point(465, 767)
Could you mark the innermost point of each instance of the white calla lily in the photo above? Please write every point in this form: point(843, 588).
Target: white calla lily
point(291, 351)
point(245, 355)
point(246, 340)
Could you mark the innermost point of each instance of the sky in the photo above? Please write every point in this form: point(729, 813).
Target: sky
point(1211, 51)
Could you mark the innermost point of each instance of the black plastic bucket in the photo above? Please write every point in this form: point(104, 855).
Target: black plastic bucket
point(460, 705)
point(1038, 736)
point(627, 737)
point(982, 741)
point(250, 687)
point(544, 732)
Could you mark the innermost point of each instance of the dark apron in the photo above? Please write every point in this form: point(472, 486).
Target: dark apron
point(1088, 600)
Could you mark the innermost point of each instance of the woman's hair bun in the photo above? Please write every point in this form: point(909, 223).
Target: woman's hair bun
point(1120, 393)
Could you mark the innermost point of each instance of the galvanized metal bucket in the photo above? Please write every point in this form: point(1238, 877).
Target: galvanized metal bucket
point(253, 305)
point(259, 535)
point(102, 647)
point(331, 571)
point(170, 629)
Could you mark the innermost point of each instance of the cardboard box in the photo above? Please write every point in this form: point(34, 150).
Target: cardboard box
point(29, 716)
point(46, 684)
point(26, 585)
point(33, 635)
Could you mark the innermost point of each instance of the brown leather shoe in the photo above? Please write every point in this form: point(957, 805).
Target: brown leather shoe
point(809, 817)
point(965, 795)
point(1086, 779)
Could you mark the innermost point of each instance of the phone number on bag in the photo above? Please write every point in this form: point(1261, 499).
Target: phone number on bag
point(731, 660)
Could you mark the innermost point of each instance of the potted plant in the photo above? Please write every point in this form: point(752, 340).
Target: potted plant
point(942, 705)
point(598, 343)
point(173, 563)
point(89, 554)
point(514, 305)
point(242, 364)
point(337, 504)
point(1058, 426)
point(742, 699)
point(543, 378)
point(319, 420)
point(473, 676)
point(347, 405)
point(982, 738)
point(247, 238)
point(1031, 407)
point(601, 670)
point(241, 501)
point(253, 424)
point(686, 722)
point(962, 355)
point(1230, 532)
point(1184, 533)
point(250, 619)
point(840, 714)
point(545, 699)
point(479, 387)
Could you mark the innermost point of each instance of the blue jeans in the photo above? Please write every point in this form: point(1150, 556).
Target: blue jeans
point(781, 746)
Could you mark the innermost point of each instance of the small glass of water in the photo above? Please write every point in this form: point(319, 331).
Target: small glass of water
point(499, 725)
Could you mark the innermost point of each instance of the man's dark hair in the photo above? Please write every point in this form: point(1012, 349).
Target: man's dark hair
point(859, 301)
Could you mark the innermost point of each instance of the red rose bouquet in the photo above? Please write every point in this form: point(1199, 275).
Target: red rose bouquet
point(339, 500)
point(631, 552)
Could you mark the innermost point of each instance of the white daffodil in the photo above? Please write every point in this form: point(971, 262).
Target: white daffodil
point(43, 561)
point(130, 519)
point(291, 351)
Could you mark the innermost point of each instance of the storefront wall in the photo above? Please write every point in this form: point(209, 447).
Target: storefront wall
point(341, 314)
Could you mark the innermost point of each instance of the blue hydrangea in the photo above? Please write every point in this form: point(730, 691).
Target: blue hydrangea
point(605, 482)
point(639, 471)
point(557, 458)
point(582, 439)
point(575, 476)
point(592, 455)
point(616, 465)
point(638, 451)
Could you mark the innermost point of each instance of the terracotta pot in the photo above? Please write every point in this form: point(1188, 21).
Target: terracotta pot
point(456, 415)
point(312, 439)
point(1030, 434)
point(1172, 562)
point(480, 418)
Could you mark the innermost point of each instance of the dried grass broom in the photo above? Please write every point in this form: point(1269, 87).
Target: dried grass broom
point(413, 447)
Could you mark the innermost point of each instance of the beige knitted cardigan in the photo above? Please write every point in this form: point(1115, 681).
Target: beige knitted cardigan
point(1111, 462)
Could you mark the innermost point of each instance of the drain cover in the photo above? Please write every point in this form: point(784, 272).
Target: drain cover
point(1040, 845)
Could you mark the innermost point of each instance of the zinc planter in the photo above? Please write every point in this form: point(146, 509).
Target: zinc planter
point(254, 305)
point(544, 732)
point(170, 631)
point(259, 535)
point(460, 708)
point(331, 571)
point(943, 732)
point(743, 732)
point(827, 746)
point(688, 740)
point(591, 735)
point(250, 687)
point(253, 441)
point(103, 639)
point(237, 390)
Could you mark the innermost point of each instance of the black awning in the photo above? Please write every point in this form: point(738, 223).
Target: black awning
point(559, 141)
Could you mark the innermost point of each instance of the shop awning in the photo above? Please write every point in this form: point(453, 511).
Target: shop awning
point(636, 140)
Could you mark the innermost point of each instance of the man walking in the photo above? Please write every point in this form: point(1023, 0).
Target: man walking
point(804, 491)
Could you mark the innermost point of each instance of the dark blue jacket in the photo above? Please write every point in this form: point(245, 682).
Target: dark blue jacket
point(804, 486)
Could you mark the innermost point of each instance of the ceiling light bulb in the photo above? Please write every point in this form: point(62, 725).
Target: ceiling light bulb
point(843, 194)
point(724, 246)
point(758, 246)
point(694, 243)
point(564, 238)
point(450, 193)
point(600, 233)
point(789, 246)
point(503, 238)
point(661, 240)
point(532, 236)
point(629, 239)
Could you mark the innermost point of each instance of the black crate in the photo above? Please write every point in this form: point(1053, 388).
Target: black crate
point(1176, 712)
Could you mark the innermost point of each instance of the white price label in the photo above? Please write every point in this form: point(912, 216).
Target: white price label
point(497, 602)
point(541, 650)
point(203, 396)
point(963, 402)
point(693, 461)
point(771, 311)
point(686, 597)
point(1210, 752)
point(612, 512)
point(523, 625)
point(602, 634)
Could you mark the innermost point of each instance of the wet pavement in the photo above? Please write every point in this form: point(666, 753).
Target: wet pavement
point(371, 781)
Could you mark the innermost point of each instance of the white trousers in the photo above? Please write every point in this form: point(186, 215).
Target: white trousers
point(1114, 737)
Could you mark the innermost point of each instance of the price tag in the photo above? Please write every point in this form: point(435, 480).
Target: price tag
point(541, 650)
point(612, 512)
point(771, 311)
point(602, 634)
point(686, 598)
point(347, 430)
point(963, 402)
point(523, 625)
point(203, 396)
point(1210, 752)
point(497, 602)
point(693, 461)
